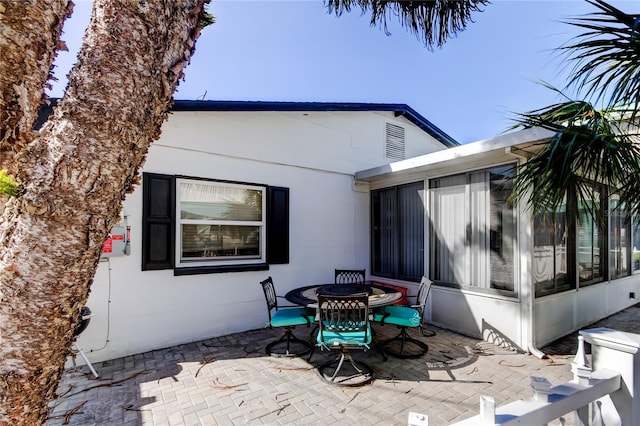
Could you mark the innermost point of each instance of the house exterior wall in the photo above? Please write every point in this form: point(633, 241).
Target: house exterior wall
point(314, 154)
point(333, 141)
point(504, 320)
point(493, 318)
point(560, 314)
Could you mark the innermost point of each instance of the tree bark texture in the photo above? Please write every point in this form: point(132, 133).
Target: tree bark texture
point(74, 177)
point(29, 39)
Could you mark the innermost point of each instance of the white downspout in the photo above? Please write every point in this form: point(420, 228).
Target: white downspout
point(527, 292)
point(531, 346)
point(527, 285)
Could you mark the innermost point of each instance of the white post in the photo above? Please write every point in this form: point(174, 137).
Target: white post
point(487, 410)
point(581, 374)
point(580, 365)
point(541, 388)
point(619, 350)
point(417, 419)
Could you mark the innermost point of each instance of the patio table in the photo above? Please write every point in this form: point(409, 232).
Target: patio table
point(378, 295)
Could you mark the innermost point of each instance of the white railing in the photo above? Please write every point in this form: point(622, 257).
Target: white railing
point(599, 394)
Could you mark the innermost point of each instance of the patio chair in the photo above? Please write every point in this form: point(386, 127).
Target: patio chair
point(421, 305)
point(405, 317)
point(344, 326)
point(286, 317)
point(350, 276)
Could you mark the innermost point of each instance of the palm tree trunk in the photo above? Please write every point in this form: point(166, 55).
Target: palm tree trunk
point(74, 177)
point(29, 39)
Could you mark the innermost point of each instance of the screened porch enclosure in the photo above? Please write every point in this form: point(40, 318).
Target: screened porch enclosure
point(573, 249)
point(472, 235)
point(473, 229)
point(497, 269)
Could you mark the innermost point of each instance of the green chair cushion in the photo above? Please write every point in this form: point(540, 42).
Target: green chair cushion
point(398, 315)
point(291, 317)
point(344, 338)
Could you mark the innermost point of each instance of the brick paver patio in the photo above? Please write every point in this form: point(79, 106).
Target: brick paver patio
point(230, 381)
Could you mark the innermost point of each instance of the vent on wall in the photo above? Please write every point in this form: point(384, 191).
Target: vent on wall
point(394, 146)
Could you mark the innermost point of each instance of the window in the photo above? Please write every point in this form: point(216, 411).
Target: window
point(619, 250)
point(590, 235)
point(570, 249)
point(551, 269)
point(473, 229)
point(202, 226)
point(398, 232)
point(636, 244)
point(219, 223)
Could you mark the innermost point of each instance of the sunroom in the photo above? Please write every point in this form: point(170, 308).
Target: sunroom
point(498, 272)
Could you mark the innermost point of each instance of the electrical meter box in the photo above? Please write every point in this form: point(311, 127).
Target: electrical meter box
point(117, 242)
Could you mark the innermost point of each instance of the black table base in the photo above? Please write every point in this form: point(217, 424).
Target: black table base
point(345, 371)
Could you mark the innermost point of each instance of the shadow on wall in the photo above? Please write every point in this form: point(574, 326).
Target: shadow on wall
point(471, 257)
point(493, 335)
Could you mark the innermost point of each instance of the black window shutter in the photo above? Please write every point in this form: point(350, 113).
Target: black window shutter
point(158, 221)
point(277, 225)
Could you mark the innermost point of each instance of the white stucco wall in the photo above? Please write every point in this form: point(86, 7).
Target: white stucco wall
point(491, 317)
point(560, 314)
point(314, 154)
point(334, 141)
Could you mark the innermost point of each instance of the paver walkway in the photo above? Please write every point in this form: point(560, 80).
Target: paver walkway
point(230, 381)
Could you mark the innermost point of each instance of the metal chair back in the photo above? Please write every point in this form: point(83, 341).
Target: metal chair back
point(344, 316)
point(423, 294)
point(270, 295)
point(286, 318)
point(350, 276)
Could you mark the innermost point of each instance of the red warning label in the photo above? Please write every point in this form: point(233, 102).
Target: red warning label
point(108, 246)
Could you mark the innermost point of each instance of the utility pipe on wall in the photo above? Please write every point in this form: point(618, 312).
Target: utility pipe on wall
point(527, 290)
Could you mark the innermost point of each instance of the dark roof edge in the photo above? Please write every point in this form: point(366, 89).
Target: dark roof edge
point(399, 110)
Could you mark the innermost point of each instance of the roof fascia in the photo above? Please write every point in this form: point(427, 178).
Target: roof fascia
point(190, 105)
point(514, 142)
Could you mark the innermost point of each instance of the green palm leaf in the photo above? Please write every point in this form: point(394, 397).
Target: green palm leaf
point(588, 146)
point(606, 58)
point(434, 22)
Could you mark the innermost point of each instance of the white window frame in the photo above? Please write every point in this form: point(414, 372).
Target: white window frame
point(223, 261)
point(468, 279)
point(614, 247)
point(635, 219)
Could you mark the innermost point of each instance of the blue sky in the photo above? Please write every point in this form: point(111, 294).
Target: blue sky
point(294, 50)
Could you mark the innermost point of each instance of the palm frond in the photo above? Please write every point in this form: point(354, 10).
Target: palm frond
point(589, 146)
point(606, 57)
point(434, 22)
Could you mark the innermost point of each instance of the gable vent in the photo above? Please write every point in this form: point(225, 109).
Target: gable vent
point(394, 146)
